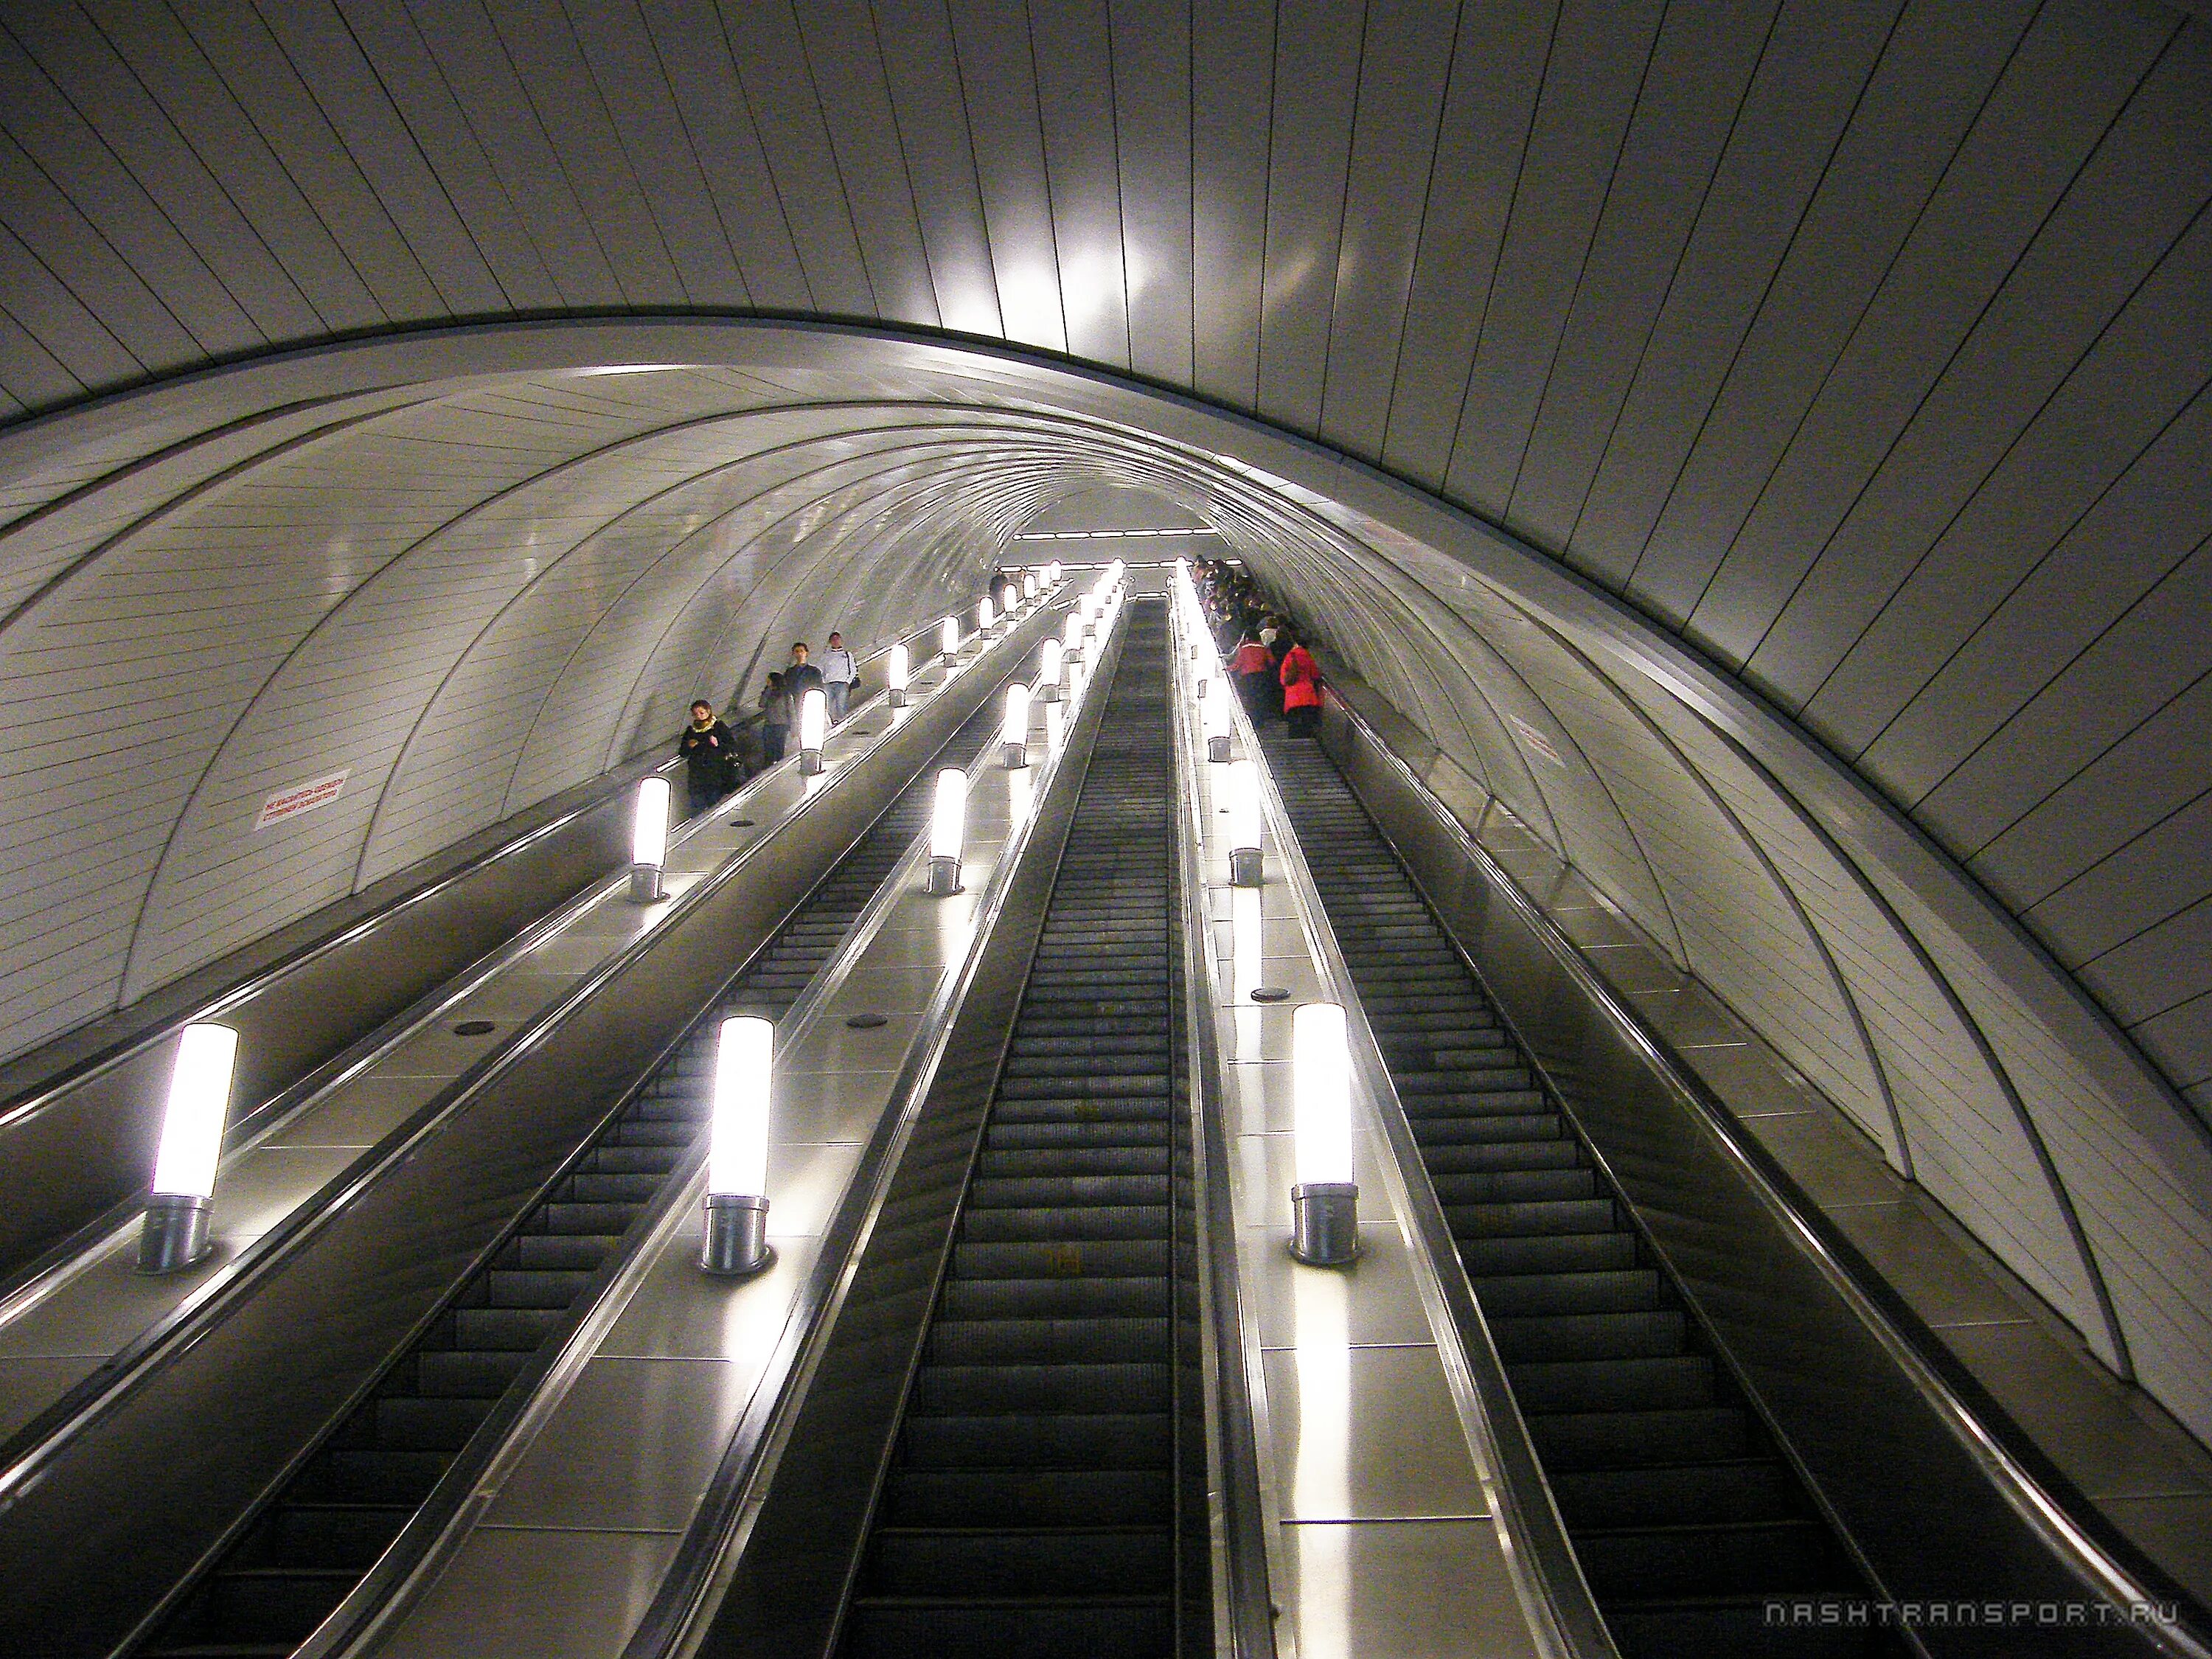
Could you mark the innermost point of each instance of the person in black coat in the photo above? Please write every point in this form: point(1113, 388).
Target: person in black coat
point(710, 755)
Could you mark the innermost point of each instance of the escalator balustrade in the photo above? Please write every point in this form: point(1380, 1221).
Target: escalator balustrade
point(324, 1530)
point(1686, 1516)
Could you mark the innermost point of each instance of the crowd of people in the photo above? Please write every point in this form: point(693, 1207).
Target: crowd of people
point(719, 757)
point(1275, 675)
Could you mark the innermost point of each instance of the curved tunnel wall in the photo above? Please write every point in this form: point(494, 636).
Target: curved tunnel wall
point(1838, 375)
point(479, 592)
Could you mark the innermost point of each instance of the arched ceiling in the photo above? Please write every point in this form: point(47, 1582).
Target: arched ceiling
point(1765, 445)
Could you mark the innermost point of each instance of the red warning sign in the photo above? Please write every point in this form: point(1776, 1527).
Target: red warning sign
point(302, 798)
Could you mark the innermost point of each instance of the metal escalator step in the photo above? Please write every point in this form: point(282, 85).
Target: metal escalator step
point(1768, 1557)
point(1596, 1290)
point(1467, 1187)
point(1489, 1129)
point(481, 1373)
point(1028, 1497)
point(972, 1297)
point(1130, 1221)
point(1496, 1220)
point(1062, 1192)
point(1011, 1561)
point(1744, 1489)
point(1629, 1383)
point(1570, 1440)
point(1031, 1628)
point(570, 1252)
point(1488, 1156)
point(1554, 1252)
point(428, 1422)
point(1097, 1339)
point(518, 1329)
point(971, 1390)
point(1562, 1335)
point(325, 1536)
point(535, 1287)
point(1059, 1258)
point(1016, 1163)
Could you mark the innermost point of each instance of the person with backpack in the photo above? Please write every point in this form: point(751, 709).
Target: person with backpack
point(1254, 670)
point(1301, 679)
point(710, 756)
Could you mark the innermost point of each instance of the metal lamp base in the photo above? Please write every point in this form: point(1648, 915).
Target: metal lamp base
point(809, 762)
point(943, 876)
point(1245, 867)
point(737, 1237)
point(951, 657)
point(1325, 1223)
point(1017, 756)
point(1049, 693)
point(175, 1233)
point(645, 886)
point(1216, 748)
point(896, 696)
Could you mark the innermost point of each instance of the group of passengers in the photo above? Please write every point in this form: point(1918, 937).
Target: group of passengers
point(719, 757)
point(1275, 675)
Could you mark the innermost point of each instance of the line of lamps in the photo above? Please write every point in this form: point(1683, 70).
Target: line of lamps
point(1324, 1194)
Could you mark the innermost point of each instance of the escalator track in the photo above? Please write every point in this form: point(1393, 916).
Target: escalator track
point(1032, 1505)
point(325, 1530)
point(1684, 1514)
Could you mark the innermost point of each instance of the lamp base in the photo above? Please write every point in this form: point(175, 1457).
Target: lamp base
point(1016, 755)
point(1325, 1223)
point(1245, 869)
point(896, 696)
point(175, 1233)
point(1216, 748)
point(809, 762)
point(943, 876)
point(645, 886)
point(737, 1237)
point(1049, 693)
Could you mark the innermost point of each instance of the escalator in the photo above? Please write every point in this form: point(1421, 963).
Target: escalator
point(1684, 1514)
point(321, 1533)
point(1036, 1498)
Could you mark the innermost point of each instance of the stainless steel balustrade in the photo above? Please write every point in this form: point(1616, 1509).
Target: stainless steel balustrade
point(1939, 1506)
point(77, 1135)
point(118, 1504)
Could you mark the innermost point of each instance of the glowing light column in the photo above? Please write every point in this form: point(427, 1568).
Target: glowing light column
point(174, 1233)
point(897, 667)
point(737, 1157)
point(948, 828)
point(649, 842)
point(1324, 1201)
point(813, 727)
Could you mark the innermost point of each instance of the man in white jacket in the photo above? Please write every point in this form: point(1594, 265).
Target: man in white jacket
point(838, 673)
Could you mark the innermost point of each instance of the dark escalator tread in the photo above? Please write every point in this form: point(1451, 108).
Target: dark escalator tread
point(300, 1557)
point(1031, 1507)
point(1685, 1515)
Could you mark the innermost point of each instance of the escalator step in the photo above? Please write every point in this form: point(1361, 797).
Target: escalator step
point(1011, 1561)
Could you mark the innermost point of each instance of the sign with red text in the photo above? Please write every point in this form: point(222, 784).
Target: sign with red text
point(1536, 743)
point(302, 798)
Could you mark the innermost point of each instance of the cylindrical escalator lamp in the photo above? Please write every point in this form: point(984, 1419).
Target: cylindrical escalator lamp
point(1014, 732)
point(1240, 792)
point(1325, 1201)
point(1029, 584)
point(1213, 716)
point(813, 727)
point(1052, 573)
point(987, 618)
point(649, 842)
point(1049, 664)
point(1071, 634)
point(897, 666)
point(948, 640)
point(174, 1233)
point(948, 828)
point(737, 1155)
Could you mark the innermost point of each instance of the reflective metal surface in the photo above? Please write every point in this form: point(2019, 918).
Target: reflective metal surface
point(1936, 1506)
point(125, 1504)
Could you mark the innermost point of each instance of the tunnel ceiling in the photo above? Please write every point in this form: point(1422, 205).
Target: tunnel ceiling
point(1765, 446)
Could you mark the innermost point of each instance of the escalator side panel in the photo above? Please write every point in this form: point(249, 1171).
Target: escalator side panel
point(135, 1503)
point(1916, 1507)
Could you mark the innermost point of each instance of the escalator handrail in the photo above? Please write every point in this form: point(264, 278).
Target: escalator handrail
point(1243, 1603)
point(1562, 1613)
point(1986, 1442)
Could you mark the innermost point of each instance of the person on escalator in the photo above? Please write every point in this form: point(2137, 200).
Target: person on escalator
point(775, 719)
point(710, 756)
point(1301, 680)
point(1254, 670)
point(801, 677)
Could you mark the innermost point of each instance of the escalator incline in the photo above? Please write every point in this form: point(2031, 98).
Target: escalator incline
point(320, 1535)
point(1030, 1504)
point(1687, 1518)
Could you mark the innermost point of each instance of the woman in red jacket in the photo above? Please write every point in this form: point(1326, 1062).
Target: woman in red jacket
point(1254, 670)
point(1301, 678)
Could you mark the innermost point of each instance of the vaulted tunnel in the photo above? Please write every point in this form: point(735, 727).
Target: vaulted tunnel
point(1759, 448)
